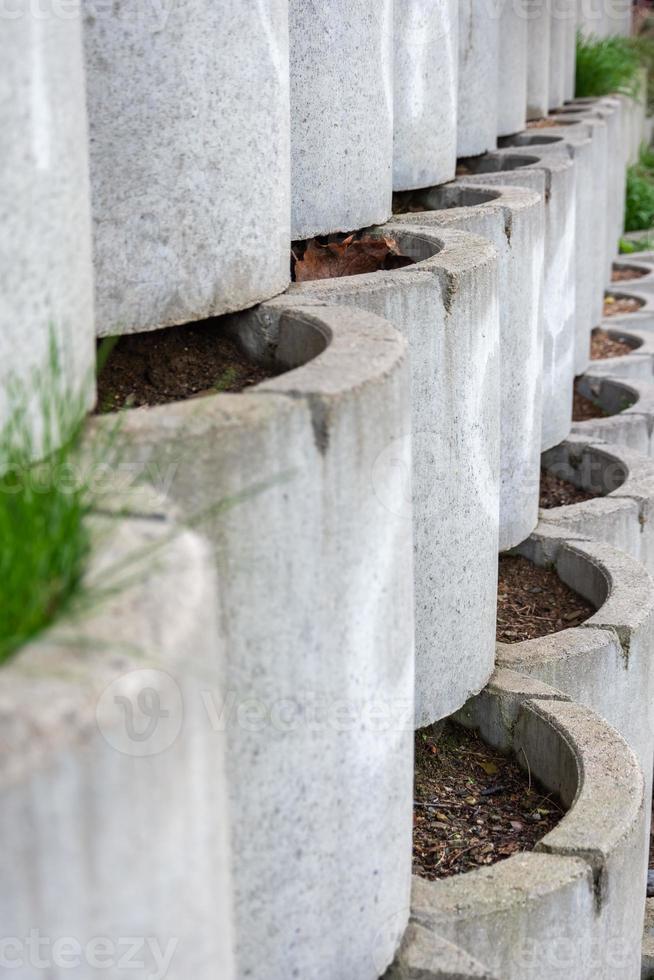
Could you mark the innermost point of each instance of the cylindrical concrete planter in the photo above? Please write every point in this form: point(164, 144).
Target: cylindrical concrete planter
point(623, 513)
point(639, 362)
point(588, 245)
point(538, 58)
point(46, 289)
point(629, 403)
point(513, 220)
point(478, 101)
point(341, 114)
point(642, 265)
point(189, 127)
point(605, 663)
point(562, 31)
point(555, 176)
point(644, 315)
point(512, 76)
point(425, 93)
point(573, 906)
point(446, 306)
point(315, 596)
point(114, 806)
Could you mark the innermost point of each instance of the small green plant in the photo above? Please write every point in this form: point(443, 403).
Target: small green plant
point(639, 203)
point(606, 65)
point(44, 541)
point(628, 246)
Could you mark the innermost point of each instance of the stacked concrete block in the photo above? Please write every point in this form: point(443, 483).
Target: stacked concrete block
point(46, 290)
point(573, 906)
point(561, 29)
point(621, 514)
point(446, 306)
point(628, 404)
point(425, 93)
point(114, 804)
point(513, 220)
point(555, 178)
point(189, 160)
point(512, 77)
point(341, 57)
point(639, 362)
point(304, 486)
point(479, 68)
point(589, 246)
point(538, 58)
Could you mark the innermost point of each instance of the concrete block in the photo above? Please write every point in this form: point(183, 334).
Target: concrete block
point(303, 484)
point(425, 93)
point(562, 31)
point(512, 75)
point(525, 167)
point(426, 956)
point(639, 362)
point(446, 306)
point(46, 288)
point(572, 907)
point(622, 515)
point(513, 220)
point(588, 251)
point(341, 114)
point(114, 804)
point(642, 263)
point(478, 87)
point(606, 663)
point(538, 58)
point(630, 404)
point(170, 116)
point(647, 952)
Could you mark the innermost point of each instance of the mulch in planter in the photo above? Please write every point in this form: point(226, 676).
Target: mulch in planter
point(545, 123)
point(602, 346)
point(555, 492)
point(172, 365)
point(616, 305)
point(585, 408)
point(623, 273)
point(473, 806)
point(336, 256)
point(533, 601)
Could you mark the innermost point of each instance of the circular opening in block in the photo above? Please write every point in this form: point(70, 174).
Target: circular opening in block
point(571, 475)
point(536, 139)
point(626, 273)
point(612, 343)
point(598, 398)
point(494, 164)
point(219, 355)
point(618, 304)
point(358, 253)
point(442, 198)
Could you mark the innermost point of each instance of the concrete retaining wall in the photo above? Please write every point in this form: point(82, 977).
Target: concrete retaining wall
point(573, 907)
point(479, 68)
point(538, 58)
point(512, 73)
point(187, 224)
point(562, 31)
point(588, 250)
point(630, 404)
point(606, 663)
point(446, 306)
point(622, 515)
point(114, 804)
point(513, 220)
point(341, 114)
point(524, 167)
point(315, 468)
point(425, 93)
point(46, 288)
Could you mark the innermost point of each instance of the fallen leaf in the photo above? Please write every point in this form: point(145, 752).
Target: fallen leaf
point(351, 257)
point(489, 768)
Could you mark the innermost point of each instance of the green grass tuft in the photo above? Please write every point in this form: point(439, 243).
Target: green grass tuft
point(639, 204)
point(605, 66)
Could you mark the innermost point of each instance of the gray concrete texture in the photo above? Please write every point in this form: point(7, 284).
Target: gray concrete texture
point(447, 308)
point(573, 907)
point(189, 159)
point(425, 93)
point(46, 287)
point(603, 18)
point(555, 177)
point(562, 33)
point(302, 486)
point(512, 69)
point(538, 58)
point(114, 804)
point(341, 55)
point(478, 100)
point(513, 220)
point(622, 512)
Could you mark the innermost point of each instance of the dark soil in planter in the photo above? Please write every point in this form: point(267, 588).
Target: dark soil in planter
point(616, 305)
point(555, 492)
point(622, 273)
point(585, 408)
point(533, 601)
point(336, 256)
point(473, 805)
point(602, 346)
point(545, 123)
point(174, 364)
